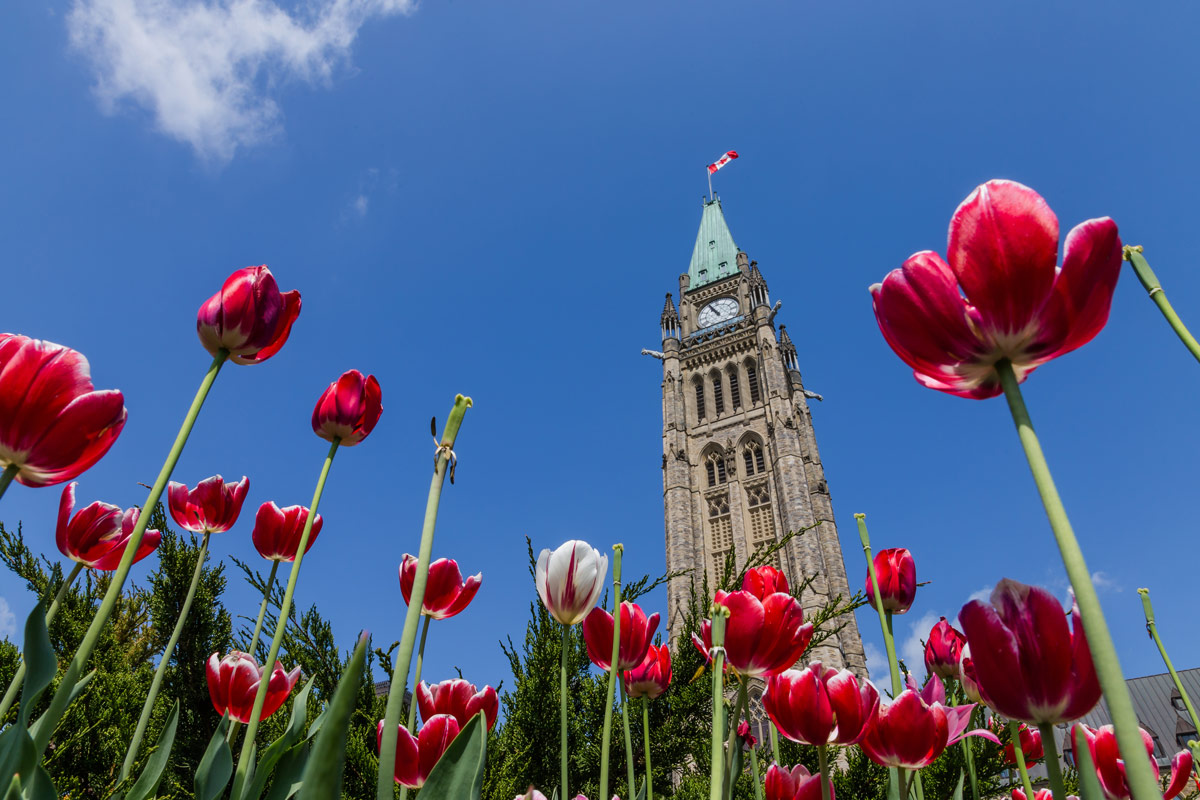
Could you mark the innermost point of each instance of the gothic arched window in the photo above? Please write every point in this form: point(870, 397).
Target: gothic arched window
point(699, 399)
point(752, 379)
point(752, 455)
point(735, 389)
point(718, 393)
point(714, 466)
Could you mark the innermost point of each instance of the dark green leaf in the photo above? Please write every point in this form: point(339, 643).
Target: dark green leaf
point(216, 766)
point(323, 772)
point(41, 787)
point(14, 789)
point(147, 783)
point(459, 772)
point(17, 754)
point(958, 790)
point(641, 795)
point(289, 773)
point(315, 728)
point(1089, 784)
point(293, 734)
point(40, 662)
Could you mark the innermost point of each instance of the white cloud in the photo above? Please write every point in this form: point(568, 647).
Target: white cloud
point(877, 665)
point(1103, 582)
point(206, 69)
point(912, 650)
point(8, 620)
point(983, 595)
point(360, 205)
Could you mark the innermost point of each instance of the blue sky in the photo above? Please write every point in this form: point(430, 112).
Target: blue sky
point(492, 199)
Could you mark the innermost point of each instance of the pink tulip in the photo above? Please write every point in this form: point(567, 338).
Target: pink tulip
point(896, 573)
point(1110, 767)
point(652, 677)
point(446, 593)
point(417, 755)
point(818, 705)
point(249, 317)
point(1014, 303)
point(793, 784)
point(764, 580)
point(53, 424)
point(277, 531)
point(910, 733)
point(233, 683)
point(1028, 663)
point(637, 630)
point(212, 507)
point(459, 699)
point(97, 536)
point(570, 579)
point(763, 637)
point(1031, 746)
point(943, 650)
point(349, 409)
point(532, 794)
point(966, 675)
point(1039, 794)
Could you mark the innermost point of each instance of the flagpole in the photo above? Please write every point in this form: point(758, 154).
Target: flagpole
point(710, 192)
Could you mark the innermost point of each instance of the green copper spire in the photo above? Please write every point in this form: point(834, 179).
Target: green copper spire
point(715, 254)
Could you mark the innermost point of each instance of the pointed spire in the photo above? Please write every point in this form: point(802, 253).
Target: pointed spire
point(787, 350)
point(715, 255)
point(756, 278)
point(669, 312)
point(669, 320)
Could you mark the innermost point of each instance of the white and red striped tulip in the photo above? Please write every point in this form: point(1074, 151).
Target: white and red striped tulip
point(233, 683)
point(212, 507)
point(98, 534)
point(416, 756)
point(820, 705)
point(570, 579)
point(250, 318)
point(446, 592)
point(1110, 767)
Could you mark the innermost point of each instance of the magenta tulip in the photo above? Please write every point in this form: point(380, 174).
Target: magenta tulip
point(97, 536)
point(943, 650)
point(349, 409)
point(966, 675)
point(1110, 767)
point(1001, 295)
point(652, 677)
point(764, 580)
point(763, 636)
point(570, 579)
point(819, 705)
point(250, 318)
point(897, 575)
point(911, 733)
point(233, 683)
point(1038, 794)
point(446, 593)
point(53, 424)
point(1031, 746)
point(277, 531)
point(793, 784)
point(1029, 665)
point(459, 699)
point(212, 507)
point(417, 755)
point(637, 630)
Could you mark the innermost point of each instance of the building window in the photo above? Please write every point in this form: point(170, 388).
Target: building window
point(752, 379)
point(1183, 736)
point(752, 455)
point(762, 522)
point(699, 400)
point(735, 389)
point(714, 465)
point(718, 394)
point(720, 532)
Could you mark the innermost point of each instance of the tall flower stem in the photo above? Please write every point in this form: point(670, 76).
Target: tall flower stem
point(385, 781)
point(246, 756)
point(630, 778)
point(1015, 734)
point(1152, 627)
point(735, 718)
point(562, 710)
point(1149, 280)
point(970, 759)
point(156, 684)
point(720, 616)
point(234, 725)
point(412, 704)
point(6, 477)
point(612, 669)
point(1053, 770)
point(1142, 783)
point(823, 763)
point(774, 741)
point(10, 694)
point(58, 704)
point(646, 743)
point(758, 789)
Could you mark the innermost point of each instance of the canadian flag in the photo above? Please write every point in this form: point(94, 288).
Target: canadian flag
point(722, 161)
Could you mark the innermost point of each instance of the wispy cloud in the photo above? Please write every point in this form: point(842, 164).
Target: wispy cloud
point(8, 620)
point(877, 666)
point(206, 70)
point(370, 182)
point(360, 205)
point(912, 649)
point(1105, 583)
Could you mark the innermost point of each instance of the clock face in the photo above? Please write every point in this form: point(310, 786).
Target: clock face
point(718, 311)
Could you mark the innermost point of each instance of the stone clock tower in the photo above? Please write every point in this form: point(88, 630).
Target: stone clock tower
point(740, 459)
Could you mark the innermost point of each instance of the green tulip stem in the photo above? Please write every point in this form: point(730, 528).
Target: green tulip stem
point(646, 744)
point(1152, 627)
point(62, 696)
point(1015, 734)
point(385, 780)
point(758, 787)
point(245, 764)
point(1142, 783)
point(1149, 280)
point(234, 725)
point(918, 785)
point(156, 684)
point(1053, 770)
point(823, 762)
point(970, 759)
point(720, 615)
point(6, 477)
point(631, 779)
point(412, 704)
point(10, 694)
point(562, 710)
point(774, 742)
point(612, 670)
point(739, 706)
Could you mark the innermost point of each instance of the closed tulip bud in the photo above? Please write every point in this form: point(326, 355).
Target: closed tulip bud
point(459, 699)
point(349, 409)
point(277, 531)
point(636, 632)
point(53, 424)
point(212, 507)
point(1110, 768)
point(652, 677)
point(818, 705)
point(943, 650)
point(233, 683)
point(417, 755)
point(897, 575)
point(446, 593)
point(1031, 746)
point(794, 784)
point(763, 637)
point(570, 579)
point(250, 318)
point(98, 535)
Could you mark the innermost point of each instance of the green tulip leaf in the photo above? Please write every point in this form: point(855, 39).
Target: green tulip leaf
point(152, 773)
point(1089, 784)
point(555, 795)
point(315, 728)
point(17, 755)
point(40, 787)
point(958, 790)
point(289, 775)
point(271, 756)
point(216, 766)
point(459, 772)
point(76, 690)
point(323, 772)
point(40, 662)
point(14, 789)
point(641, 795)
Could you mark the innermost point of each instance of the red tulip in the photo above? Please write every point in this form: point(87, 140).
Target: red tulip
point(910, 733)
point(636, 632)
point(1014, 303)
point(1110, 768)
point(819, 705)
point(348, 409)
point(249, 317)
point(743, 732)
point(212, 507)
point(459, 699)
point(1028, 663)
point(943, 650)
point(233, 684)
point(897, 575)
point(794, 784)
point(763, 637)
point(1038, 794)
point(966, 675)
point(1031, 746)
point(417, 755)
point(53, 424)
point(277, 531)
point(97, 536)
point(446, 593)
point(765, 580)
point(652, 677)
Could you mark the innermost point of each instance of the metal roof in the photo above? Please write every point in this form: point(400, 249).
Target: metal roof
point(715, 255)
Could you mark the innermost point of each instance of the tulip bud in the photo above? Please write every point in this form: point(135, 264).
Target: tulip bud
point(818, 706)
point(570, 579)
point(1031, 746)
point(249, 318)
point(446, 593)
point(897, 575)
point(98, 535)
point(652, 677)
point(212, 507)
point(277, 531)
point(349, 409)
point(943, 649)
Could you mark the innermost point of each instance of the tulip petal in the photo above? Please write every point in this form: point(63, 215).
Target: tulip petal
point(1079, 305)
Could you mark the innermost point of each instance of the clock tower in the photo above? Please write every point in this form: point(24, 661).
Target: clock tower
point(740, 460)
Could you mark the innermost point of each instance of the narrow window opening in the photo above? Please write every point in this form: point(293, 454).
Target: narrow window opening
point(735, 390)
point(718, 395)
point(699, 400)
point(752, 378)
